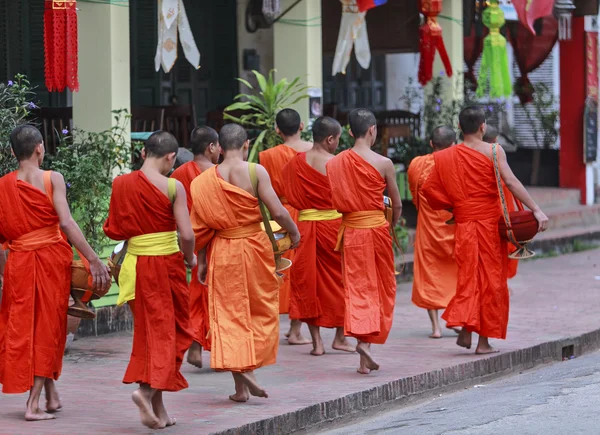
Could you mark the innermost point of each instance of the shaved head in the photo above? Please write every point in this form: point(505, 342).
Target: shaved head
point(470, 119)
point(443, 137)
point(324, 127)
point(361, 120)
point(232, 137)
point(201, 138)
point(288, 122)
point(24, 139)
point(491, 134)
point(160, 144)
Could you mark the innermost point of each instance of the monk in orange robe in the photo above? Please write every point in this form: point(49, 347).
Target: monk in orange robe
point(358, 179)
point(204, 143)
point(289, 127)
point(144, 212)
point(491, 136)
point(435, 270)
point(317, 296)
point(463, 180)
point(37, 276)
point(240, 270)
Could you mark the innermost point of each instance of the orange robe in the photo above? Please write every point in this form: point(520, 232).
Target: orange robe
point(317, 291)
point(161, 330)
point(186, 173)
point(463, 180)
point(274, 160)
point(435, 270)
point(367, 255)
point(243, 290)
point(37, 282)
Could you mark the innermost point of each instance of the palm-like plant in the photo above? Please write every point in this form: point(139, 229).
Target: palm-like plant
point(262, 105)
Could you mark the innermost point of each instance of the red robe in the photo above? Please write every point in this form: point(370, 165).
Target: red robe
point(186, 173)
point(37, 282)
point(243, 287)
point(161, 330)
point(367, 255)
point(463, 179)
point(274, 160)
point(317, 291)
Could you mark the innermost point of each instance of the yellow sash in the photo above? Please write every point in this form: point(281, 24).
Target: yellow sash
point(147, 245)
point(312, 214)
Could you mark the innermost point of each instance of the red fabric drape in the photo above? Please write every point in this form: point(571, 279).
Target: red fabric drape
point(473, 47)
point(530, 51)
point(60, 45)
point(430, 34)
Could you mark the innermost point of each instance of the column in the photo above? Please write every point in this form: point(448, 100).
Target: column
point(452, 30)
point(104, 67)
point(298, 48)
point(572, 169)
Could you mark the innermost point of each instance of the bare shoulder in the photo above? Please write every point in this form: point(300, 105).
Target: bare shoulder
point(57, 177)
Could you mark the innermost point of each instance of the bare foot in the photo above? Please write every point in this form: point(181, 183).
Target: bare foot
point(486, 350)
point(147, 415)
point(464, 339)
point(250, 381)
point(436, 334)
point(298, 339)
point(37, 415)
point(365, 352)
point(363, 371)
point(158, 407)
point(194, 356)
point(287, 334)
point(343, 345)
point(318, 347)
point(240, 398)
point(53, 403)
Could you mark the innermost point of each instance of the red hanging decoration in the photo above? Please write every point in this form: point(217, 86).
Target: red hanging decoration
point(430, 34)
point(60, 45)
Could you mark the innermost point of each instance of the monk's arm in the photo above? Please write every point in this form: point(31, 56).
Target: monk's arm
point(2, 263)
point(393, 192)
point(277, 210)
point(519, 191)
point(101, 278)
point(184, 225)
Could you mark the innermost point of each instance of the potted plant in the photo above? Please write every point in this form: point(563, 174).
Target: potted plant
point(258, 109)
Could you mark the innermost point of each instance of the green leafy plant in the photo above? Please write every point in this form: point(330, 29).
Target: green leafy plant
point(259, 108)
point(16, 101)
point(88, 162)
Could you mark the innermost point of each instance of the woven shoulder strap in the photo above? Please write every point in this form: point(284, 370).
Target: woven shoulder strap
point(172, 189)
point(503, 203)
point(261, 205)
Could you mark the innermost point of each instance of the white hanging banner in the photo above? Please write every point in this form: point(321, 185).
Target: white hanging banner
point(172, 20)
point(353, 34)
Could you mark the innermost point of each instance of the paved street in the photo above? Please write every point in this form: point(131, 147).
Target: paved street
point(562, 398)
point(552, 298)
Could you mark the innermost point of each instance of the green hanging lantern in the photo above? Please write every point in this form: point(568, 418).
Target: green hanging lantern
point(494, 60)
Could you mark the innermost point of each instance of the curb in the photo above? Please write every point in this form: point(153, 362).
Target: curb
point(442, 379)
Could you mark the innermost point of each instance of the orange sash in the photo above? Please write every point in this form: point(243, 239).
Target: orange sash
point(36, 239)
point(361, 220)
point(240, 232)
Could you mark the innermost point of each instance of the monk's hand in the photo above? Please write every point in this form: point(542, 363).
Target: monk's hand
point(295, 240)
point(542, 220)
point(202, 268)
point(190, 263)
point(100, 275)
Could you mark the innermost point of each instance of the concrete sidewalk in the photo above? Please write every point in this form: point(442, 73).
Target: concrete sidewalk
point(554, 304)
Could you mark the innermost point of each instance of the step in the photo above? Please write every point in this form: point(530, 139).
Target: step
point(554, 197)
point(573, 216)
